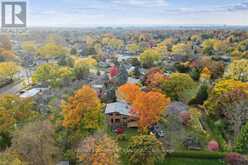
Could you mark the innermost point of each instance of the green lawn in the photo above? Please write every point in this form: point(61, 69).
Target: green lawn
point(185, 161)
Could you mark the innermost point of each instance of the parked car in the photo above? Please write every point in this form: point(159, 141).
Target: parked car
point(157, 131)
point(119, 131)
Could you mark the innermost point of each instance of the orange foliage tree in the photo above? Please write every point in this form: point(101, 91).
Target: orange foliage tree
point(83, 109)
point(154, 78)
point(128, 92)
point(148, 107)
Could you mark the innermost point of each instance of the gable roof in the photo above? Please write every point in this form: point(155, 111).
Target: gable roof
point(32, 92)
point(119, 107)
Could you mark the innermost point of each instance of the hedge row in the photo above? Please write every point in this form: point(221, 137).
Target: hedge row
point(197, 154)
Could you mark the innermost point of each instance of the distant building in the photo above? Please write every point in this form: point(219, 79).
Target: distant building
point(118, 115)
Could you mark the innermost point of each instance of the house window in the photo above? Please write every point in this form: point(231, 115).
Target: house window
point(112, 120)
point(117, 120)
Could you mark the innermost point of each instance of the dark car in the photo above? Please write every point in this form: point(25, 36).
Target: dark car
point(157, 131)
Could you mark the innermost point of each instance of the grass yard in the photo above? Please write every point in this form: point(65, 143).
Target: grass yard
point(186, 161)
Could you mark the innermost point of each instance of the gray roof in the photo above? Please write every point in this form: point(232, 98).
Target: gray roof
point(176, 107)
point(133, 80)
point(119, 107)
point(32, 92)
point(63, 163)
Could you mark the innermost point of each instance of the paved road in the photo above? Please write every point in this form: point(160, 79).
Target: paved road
point(12, 88)
point(15, 87)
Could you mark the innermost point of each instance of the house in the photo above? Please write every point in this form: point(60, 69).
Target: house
point(133, 80)
point(33, 92)
point(63, 163)
point(118, 115)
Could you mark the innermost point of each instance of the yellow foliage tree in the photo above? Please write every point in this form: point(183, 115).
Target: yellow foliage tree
point(8, 70)
point(50, 50)
point(83, 109)
point(149, 57)
point(29, 46)
point(238, 70)
point(205, 74)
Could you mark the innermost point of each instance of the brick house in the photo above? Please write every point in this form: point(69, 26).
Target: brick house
point(118, 115)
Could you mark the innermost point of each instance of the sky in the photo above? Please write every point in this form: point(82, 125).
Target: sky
point(88, 13)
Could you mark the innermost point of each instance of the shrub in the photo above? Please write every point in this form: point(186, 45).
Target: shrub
point(213, 145)
point(197, 154)
point(235, 159)
point(242, 140)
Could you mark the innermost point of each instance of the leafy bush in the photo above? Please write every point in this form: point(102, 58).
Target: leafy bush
point(235, 159)
point(197, 154)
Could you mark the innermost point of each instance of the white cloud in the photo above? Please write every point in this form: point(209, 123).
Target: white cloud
point(142, 3)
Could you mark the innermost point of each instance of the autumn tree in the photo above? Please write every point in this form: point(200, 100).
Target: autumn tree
point(228, 99)
point(241, 51)
point(8, 70)
point(7, 55)
point(11, 158)
point(205, 74)
point(178, 86)
point(51, 50)
point(52, 75)
point(98, 149)
point(149, 57)
point(148, 107)
point(29, 47)
point(5, 42)
point(113, 71)
point(66, 60)
point(154, 78)
point(216, 68)
point(15, 110)
point(182, 49)
point(128, 92)
point(145, 150)
point(238, 70)
point(36, 144)
point(82, 67)
point(133, 48)
point(83, 110)
point(213, 46)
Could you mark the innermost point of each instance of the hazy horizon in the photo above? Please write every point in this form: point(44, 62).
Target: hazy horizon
point(78, 13)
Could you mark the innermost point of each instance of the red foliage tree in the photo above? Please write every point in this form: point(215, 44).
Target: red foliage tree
point(114, 71)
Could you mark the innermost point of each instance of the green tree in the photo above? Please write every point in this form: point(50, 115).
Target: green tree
point(179, 86)
point(145, 150)
point(52, 75)
point(242, 140)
